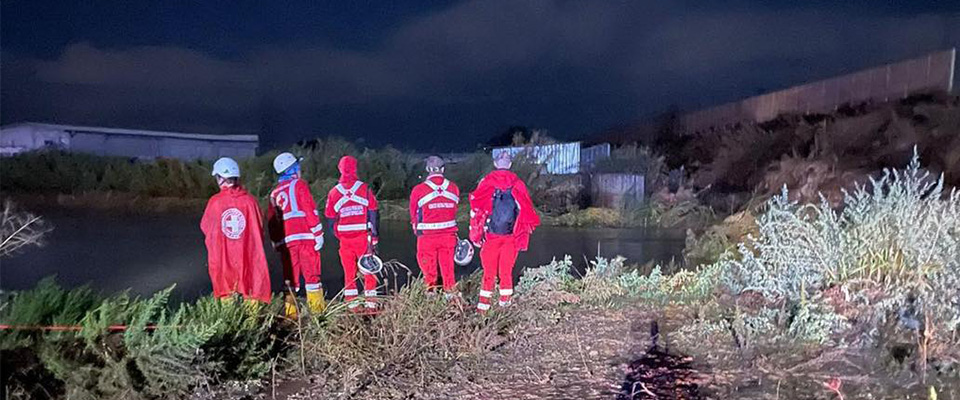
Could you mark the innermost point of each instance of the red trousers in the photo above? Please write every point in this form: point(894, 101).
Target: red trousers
point(435, 250)
point(300, 259)
point(350, 251)
point(498, 256)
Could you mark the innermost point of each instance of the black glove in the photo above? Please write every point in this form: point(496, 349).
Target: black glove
point(373, 220)
point(330, 228)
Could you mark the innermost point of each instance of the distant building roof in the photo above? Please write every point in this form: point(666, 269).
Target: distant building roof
point(138, 132)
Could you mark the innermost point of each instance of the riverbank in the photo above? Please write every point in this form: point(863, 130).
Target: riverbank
point(82, 181)
point(608, 335)
point(390, 210)
point(816, 304)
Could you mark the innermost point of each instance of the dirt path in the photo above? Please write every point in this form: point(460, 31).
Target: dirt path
point(585, 355)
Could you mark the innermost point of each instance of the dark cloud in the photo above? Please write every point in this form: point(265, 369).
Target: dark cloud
point(470, 69)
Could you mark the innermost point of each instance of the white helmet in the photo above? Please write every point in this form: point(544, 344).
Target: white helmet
point(463, 253)
point(226, 167)
point(370, 264)
point(283, 161)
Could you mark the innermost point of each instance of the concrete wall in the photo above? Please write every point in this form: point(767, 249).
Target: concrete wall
point(616, 191)
point(933, 72)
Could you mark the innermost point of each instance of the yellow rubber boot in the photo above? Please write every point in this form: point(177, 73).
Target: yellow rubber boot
point(290, 306)
point(316, 301)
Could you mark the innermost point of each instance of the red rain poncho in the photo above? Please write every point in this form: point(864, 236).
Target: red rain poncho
point(481, 205)
point(234, 239)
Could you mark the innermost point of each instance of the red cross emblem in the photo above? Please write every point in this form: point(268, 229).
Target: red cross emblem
point(232, 223)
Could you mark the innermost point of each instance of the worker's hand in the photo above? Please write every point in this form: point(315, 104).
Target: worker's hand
point(375, 240)
point(318, 242)
point(477, 245)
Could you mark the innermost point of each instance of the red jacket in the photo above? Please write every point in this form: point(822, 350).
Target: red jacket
point(433, 206)
point(481, 205)
point(234, 238)
point(292, 217)
point(349, 203)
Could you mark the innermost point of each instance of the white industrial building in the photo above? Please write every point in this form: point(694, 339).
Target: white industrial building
point(141, 144)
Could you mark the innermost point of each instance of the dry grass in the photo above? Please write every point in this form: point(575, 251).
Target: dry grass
point(825, 153)
point(20, 229)
point(413, 342)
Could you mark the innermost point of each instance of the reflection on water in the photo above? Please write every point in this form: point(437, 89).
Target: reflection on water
point(146, 253)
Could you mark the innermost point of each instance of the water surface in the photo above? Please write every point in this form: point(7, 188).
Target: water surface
point(146, 253)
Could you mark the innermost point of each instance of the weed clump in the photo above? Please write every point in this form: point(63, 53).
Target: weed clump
point(413, 336)
point(20, 229)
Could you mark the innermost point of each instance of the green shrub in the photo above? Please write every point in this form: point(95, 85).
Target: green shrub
point(899, 229)
point(554, 276)
point(157, 351)
point(894, 251)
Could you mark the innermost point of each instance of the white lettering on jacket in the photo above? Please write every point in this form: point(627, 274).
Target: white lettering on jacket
point(432, 206)
point(350, 211)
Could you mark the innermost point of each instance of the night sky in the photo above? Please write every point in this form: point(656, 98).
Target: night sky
point(430, 75)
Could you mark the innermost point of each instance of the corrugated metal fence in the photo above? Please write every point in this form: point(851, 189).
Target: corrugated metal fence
point(593, 154)
point(560, 158)
point(933, 72)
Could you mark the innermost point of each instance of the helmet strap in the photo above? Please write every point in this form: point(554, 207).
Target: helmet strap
point(290, 173)
point(226, 182)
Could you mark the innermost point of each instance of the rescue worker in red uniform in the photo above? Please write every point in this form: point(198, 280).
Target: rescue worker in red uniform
point(296, 232)
point(433, 215)
point(502, 217)
point(234, 237)
point(353, 216)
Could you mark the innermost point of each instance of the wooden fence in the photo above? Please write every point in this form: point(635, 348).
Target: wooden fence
point(617, 191)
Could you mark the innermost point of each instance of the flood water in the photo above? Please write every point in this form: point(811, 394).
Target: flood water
point(146, 253)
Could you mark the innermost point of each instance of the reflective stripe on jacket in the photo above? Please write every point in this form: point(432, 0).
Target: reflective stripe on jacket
point(292, 214)
point(348, 205)
point(433, 206)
